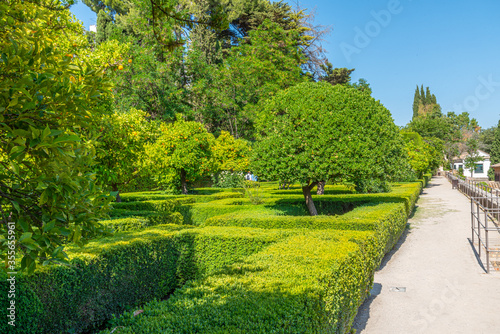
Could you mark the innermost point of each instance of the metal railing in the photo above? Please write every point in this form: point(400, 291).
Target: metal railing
point(482, 220)
point(489, 197)
point(485, 214)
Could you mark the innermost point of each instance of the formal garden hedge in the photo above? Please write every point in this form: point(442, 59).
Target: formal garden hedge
point(312, 282)
point(221, 265)
point(112, 274)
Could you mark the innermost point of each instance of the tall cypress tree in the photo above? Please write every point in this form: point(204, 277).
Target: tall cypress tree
point(428, 97)
point(422, 94)
point(416, 103)
point(104, 26)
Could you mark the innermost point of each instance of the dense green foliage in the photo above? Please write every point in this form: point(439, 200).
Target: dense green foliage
point(130, 269)
point(275, 243)
point(494, 151)
point(230, 154)
point(423, 157)
point(277, 288)
point(318, 132)
point(424, 103)
point(165, 95)
point(121, 147)
point(181, 154)
point(51, 98)
point(443, 135)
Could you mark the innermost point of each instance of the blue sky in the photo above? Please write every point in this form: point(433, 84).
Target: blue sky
point(451, 46)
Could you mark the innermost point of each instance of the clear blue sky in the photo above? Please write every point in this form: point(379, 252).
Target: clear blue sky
point(451, 46)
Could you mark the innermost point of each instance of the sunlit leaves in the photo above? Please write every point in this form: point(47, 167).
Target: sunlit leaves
point(50, 99)
point(315, 132)
point(182, 154)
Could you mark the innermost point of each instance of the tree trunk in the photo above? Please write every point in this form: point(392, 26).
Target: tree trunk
point(321, 188)
point(115, 188)
point(183, 182)
point(306, 190)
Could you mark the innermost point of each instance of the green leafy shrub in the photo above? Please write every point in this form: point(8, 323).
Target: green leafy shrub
point(114, 274)
point(370, 186)
point(253, 192)
point(135, 223)
point(28, 306)
point(227, 179)
point(308, 283)
point(311, 133)
point(426, 178)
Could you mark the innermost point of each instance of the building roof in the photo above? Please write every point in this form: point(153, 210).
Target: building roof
point(465, 155)
point(495, 166)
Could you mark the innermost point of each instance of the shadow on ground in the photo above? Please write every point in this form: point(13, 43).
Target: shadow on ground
point(478, 258)
point(364, 311)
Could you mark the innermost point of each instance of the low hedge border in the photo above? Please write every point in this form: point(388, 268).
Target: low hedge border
point(309, 283)
point(141, 222)
point(115, 274)
point(203, 196)
point(111, 275)
point(388, 220)
point(293, 205)
point(426, 179)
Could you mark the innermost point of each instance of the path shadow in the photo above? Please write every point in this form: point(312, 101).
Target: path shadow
point(412, 214)
point(387, 257)
point(364, 310)
point(476, 254)
point(363, 315)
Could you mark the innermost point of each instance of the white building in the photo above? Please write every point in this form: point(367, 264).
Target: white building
point(93, 28)
point(482, 167)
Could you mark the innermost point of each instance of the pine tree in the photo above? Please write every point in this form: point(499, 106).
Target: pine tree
point(416, 102)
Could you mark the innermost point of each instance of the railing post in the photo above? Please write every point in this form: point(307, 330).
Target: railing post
point(487, 245)
point(472, 219)
point(478, 229)
point(497, 208)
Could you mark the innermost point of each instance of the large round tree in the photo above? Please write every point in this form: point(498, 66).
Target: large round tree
point(316, 132)
point(181, 154)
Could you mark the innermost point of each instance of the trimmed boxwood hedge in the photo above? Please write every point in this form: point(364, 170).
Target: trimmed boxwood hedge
point(426, 179)
point(309, 283)
point(112, 275)
point(276, 271)
point(157, 196)
point(388, 220)
point(132, 223)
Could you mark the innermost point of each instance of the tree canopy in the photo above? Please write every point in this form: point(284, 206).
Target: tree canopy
point(181, 154)
point(316, 132)
point(52, 95)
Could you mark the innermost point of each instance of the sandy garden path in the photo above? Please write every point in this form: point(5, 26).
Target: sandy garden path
point(432, 282)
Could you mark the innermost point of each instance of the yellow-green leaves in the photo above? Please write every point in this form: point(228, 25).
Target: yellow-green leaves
point(49, 102)
point(182, 154)
point(231, 154)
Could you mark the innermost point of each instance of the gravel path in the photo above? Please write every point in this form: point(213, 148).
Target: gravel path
point(447, 290)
